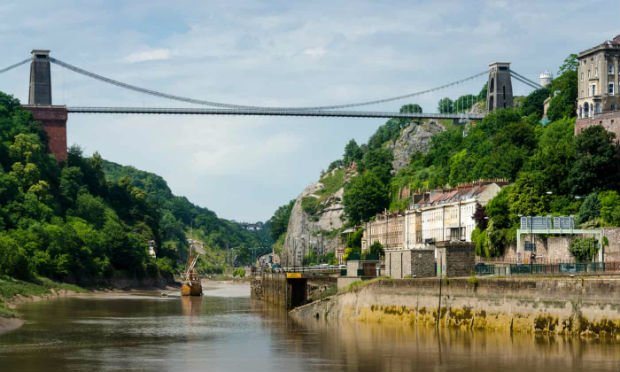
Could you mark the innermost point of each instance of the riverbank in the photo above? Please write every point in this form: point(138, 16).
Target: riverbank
point(583, 306)
point(14, 292)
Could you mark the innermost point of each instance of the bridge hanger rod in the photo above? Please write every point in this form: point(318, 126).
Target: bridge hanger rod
point(264, 112)
point(236, 106)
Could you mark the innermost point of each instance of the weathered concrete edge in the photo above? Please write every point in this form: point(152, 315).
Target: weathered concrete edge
point(547, 305)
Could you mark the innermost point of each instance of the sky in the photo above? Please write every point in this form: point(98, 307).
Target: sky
point(273, 53)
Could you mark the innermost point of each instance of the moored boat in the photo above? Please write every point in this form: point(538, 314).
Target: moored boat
point(191, 283)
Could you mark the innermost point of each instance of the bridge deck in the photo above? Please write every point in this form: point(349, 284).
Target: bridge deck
point(268, 112)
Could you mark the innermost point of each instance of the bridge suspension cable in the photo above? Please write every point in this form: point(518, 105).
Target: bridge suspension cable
point(248, 107)
point(15, 65)
point(525, 80)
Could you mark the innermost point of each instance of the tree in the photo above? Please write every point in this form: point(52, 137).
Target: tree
point(584, 249)
point(412, 108)
point(590, 209)
point(379, 162)
point(596, 162)
point(610, 207)
point(375, 251)
point(564, 91)
point(445, 106)
point(528, 195)
point(570, 64)
point(352, 153)
point(278, 223)
point(364, 196)
point(534, 102)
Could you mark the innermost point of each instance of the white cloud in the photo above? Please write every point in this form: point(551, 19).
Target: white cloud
point(278, 54)
point(317, 52)
point(148, 55)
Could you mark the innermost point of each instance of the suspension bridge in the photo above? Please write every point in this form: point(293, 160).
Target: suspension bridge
point(499, 94)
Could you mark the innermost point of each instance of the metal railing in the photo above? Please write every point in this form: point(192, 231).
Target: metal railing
point(542, 269)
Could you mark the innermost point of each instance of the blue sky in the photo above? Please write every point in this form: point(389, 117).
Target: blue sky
point(284, 53)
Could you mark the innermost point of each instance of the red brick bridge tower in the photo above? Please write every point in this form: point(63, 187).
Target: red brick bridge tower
point(53, 118)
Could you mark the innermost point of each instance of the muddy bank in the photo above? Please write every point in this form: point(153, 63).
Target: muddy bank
point(588, 307)
point(9, 324)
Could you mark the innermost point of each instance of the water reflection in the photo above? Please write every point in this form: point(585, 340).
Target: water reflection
point(233, 333)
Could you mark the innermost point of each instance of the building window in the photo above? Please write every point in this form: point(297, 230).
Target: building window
point(610, 68)
point(582, 76)
point(610, 89)
point(596, 72)
point(593, 90)
point(589, 74)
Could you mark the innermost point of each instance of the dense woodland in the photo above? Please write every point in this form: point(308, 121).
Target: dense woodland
point(87, 220)
point(552, 171)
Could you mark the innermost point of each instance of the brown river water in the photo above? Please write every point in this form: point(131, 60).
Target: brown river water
point(226, 331)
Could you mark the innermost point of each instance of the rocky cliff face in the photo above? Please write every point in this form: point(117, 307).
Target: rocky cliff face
point(307, 232)
point(413, 139)
point(317, 231)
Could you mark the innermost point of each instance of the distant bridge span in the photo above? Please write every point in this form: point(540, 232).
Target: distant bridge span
point(54, 117)
point(268, 112)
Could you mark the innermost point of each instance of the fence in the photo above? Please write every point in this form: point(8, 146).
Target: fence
point(559, 268)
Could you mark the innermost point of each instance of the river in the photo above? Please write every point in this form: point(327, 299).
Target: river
point(226, 331)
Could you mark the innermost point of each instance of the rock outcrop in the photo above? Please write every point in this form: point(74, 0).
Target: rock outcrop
point(415, 138)
point(307, 232)
point(317, 231)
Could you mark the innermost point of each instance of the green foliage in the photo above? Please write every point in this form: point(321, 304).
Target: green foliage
point(364, 196)
point(239, 272)
point(278, 223)
point(375, 251)
point(564, 92)
point(596, 165)
point(352, 153)
point(68, 222)
point(610, 207)
point(534, 103)
point(570, 64)
point(332, 182)
point(379, 162)
point(311, 205)
point(445, 106)
point(528, 195)
point(352, 253)
point(411, 109)
point(480, 238)
point(584, 249)
point(176, 215)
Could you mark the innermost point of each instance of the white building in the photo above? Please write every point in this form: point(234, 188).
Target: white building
point(449, 214)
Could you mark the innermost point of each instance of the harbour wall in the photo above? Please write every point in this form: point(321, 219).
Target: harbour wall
point(586, 306)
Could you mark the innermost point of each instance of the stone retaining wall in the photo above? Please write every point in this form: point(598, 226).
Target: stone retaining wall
point(588, 306)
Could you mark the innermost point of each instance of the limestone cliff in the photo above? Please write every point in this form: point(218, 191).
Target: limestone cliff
point(413, 139)
point(315, 231)
point(317, 216)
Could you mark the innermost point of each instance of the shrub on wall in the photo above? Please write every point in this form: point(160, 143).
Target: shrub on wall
point(584, 249)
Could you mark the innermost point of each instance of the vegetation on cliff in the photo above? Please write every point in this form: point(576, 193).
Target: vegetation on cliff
point(69, 223)
point(551, 171)
point(178, 216)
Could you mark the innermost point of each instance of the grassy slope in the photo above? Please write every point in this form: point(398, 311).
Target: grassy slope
point(9, 288)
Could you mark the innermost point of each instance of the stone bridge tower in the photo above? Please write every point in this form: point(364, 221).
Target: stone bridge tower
point(53, 118)
point(499, 88)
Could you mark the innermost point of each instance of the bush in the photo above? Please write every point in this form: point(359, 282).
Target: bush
point(584, 249)
point(310, 205)
point(13, 261)
point(239, 272)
